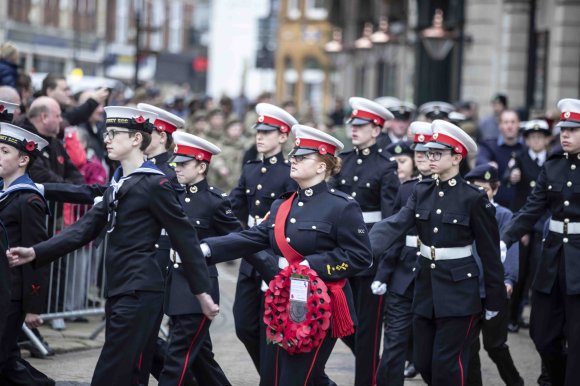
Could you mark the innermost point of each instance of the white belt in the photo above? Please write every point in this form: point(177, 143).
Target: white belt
point(564, 227)
point(372, 217)
point(254, 221)
point(445, 253)
point(164, 232)
point(412, 241)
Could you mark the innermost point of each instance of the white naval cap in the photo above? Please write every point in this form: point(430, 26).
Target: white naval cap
point(388, 102)
point(7, 110)
point(310, 140)
point(422, 133)
point(570, 109)
point(447, 136)
point(365, 111)
point(536, 126)
point(189, 146)
point(401, 110)
point(165, 121)
point(272, 117)
point(130, 118)
point(21, 139)
point(436, 110)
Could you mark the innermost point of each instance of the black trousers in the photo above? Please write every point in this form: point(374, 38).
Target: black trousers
point(555, 330)
point(247, 309)
point(528, 260)
point(148, 356)
point(397, 332)
point(283, 369)
point(442, 348)
point(190, 337)
point(494, 333)
point(366, 341)
point(13, 369)
point(130, 320)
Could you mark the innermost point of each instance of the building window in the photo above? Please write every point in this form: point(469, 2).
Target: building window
point(387, 77)
point(158, 18)
point(293, 9)
point(360, 79)
point(290, 78)
point(316, 9)
point(313, 78)
point(122, 25)
point(176, 27)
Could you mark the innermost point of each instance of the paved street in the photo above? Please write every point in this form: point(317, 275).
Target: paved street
point(75, 368)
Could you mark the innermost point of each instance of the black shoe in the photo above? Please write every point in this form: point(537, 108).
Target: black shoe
point(410, 371)
point(34, 351)
point(513, 327)
point(78, 319)
point(524, 324)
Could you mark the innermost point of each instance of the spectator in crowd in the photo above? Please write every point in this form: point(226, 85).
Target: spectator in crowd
point(24, 88)
point(8, 65)
point(197, 124)
point(488, 128)
point(216, 121)
point(499, 152)
point(226, 171)
point(93, 129)
point(9, 94)
point(337, 114)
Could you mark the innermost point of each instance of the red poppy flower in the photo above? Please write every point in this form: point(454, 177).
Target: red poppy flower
point(30, 146)
point(1, 108)
point(140, 119)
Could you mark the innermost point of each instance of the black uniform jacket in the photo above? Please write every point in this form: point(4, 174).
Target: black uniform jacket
point(261, 182)
point(395, 265)
point(210, 212)
point(370, 177)
point(558, 191)
point(23, 214)
point(448, 214)
point(143, 209)
point(324, 225)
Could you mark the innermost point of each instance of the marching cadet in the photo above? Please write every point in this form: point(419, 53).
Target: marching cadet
point(402, 154)
point(556, 286)
point(23, 213)
point(395, 273)
point(261, 182)
point(137, 205)
point(397, 127)
point(436, 110)
point(449, 215)
point(322, 228)
point(522, 173)
point(370, 177)
point(494, 332)
point(210, 212)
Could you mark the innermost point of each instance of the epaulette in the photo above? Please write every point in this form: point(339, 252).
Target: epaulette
point(478, 189)
point(217, 192)
point(340, 194)
point(413, 180)
point(253, 161)
point(386, 155)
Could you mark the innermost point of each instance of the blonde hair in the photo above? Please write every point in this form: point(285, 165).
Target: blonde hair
point(9, 52)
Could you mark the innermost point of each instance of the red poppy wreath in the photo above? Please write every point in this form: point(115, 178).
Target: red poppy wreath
point(281, 329)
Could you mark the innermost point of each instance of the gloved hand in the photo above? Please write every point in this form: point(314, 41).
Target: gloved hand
point(490, 314)
point(205, 250)
point(305, 262)
point(378, 288)
point(502, 250)
point(264, 286)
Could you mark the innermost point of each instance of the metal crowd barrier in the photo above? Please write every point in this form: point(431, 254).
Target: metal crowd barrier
point(76, 280)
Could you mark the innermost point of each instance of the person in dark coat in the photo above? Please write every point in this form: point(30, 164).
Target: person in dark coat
point(23, 213)
point(137, 205)
point(449, 215)
point(556, 287)
point(316, 226)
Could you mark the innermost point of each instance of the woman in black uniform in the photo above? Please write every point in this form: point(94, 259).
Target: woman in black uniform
point(326, 230)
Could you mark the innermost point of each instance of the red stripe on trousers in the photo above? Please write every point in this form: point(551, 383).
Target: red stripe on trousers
point(313, 360)
point(375, 350)
point(189, 350)
point(461, 352)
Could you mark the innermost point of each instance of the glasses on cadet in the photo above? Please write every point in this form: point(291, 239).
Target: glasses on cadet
point(110, 134)
point(436, 155)
point(299, 158)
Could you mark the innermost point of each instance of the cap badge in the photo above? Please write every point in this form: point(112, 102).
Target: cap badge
point(398, 149)
point(536, 127)
point(366, 151)
point(487, 176)
point(436, 135)
point(322, 149)
point(199, 156)
point(309, 192)
point(284, 129)
point(452, 182)
point(297, 142)
point(160, 127)
point(273, 160)
point(421, 138)
point(193, 189)
point(376, 121)
point(567, 114)
point(140, 119)
point(30, 146)
point(436, 110)
point(457, 149)
point(354, 112)
point(261, 118)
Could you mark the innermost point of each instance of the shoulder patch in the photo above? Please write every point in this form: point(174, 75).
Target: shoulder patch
point(217, 192)
point(340, 194)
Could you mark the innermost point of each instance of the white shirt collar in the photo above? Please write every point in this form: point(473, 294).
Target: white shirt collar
point(541, 156)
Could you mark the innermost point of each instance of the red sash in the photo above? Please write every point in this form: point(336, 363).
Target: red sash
point(342, 324)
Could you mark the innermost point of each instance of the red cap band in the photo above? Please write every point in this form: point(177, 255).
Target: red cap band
point(161, 125)
point(568, 115)
point(323, 147)
point(422, 138)
point(376, 119)
point(282, 126)
point(189, 151)
point(458, 147)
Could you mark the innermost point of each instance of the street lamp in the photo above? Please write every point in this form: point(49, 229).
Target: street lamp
point(436, 39)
